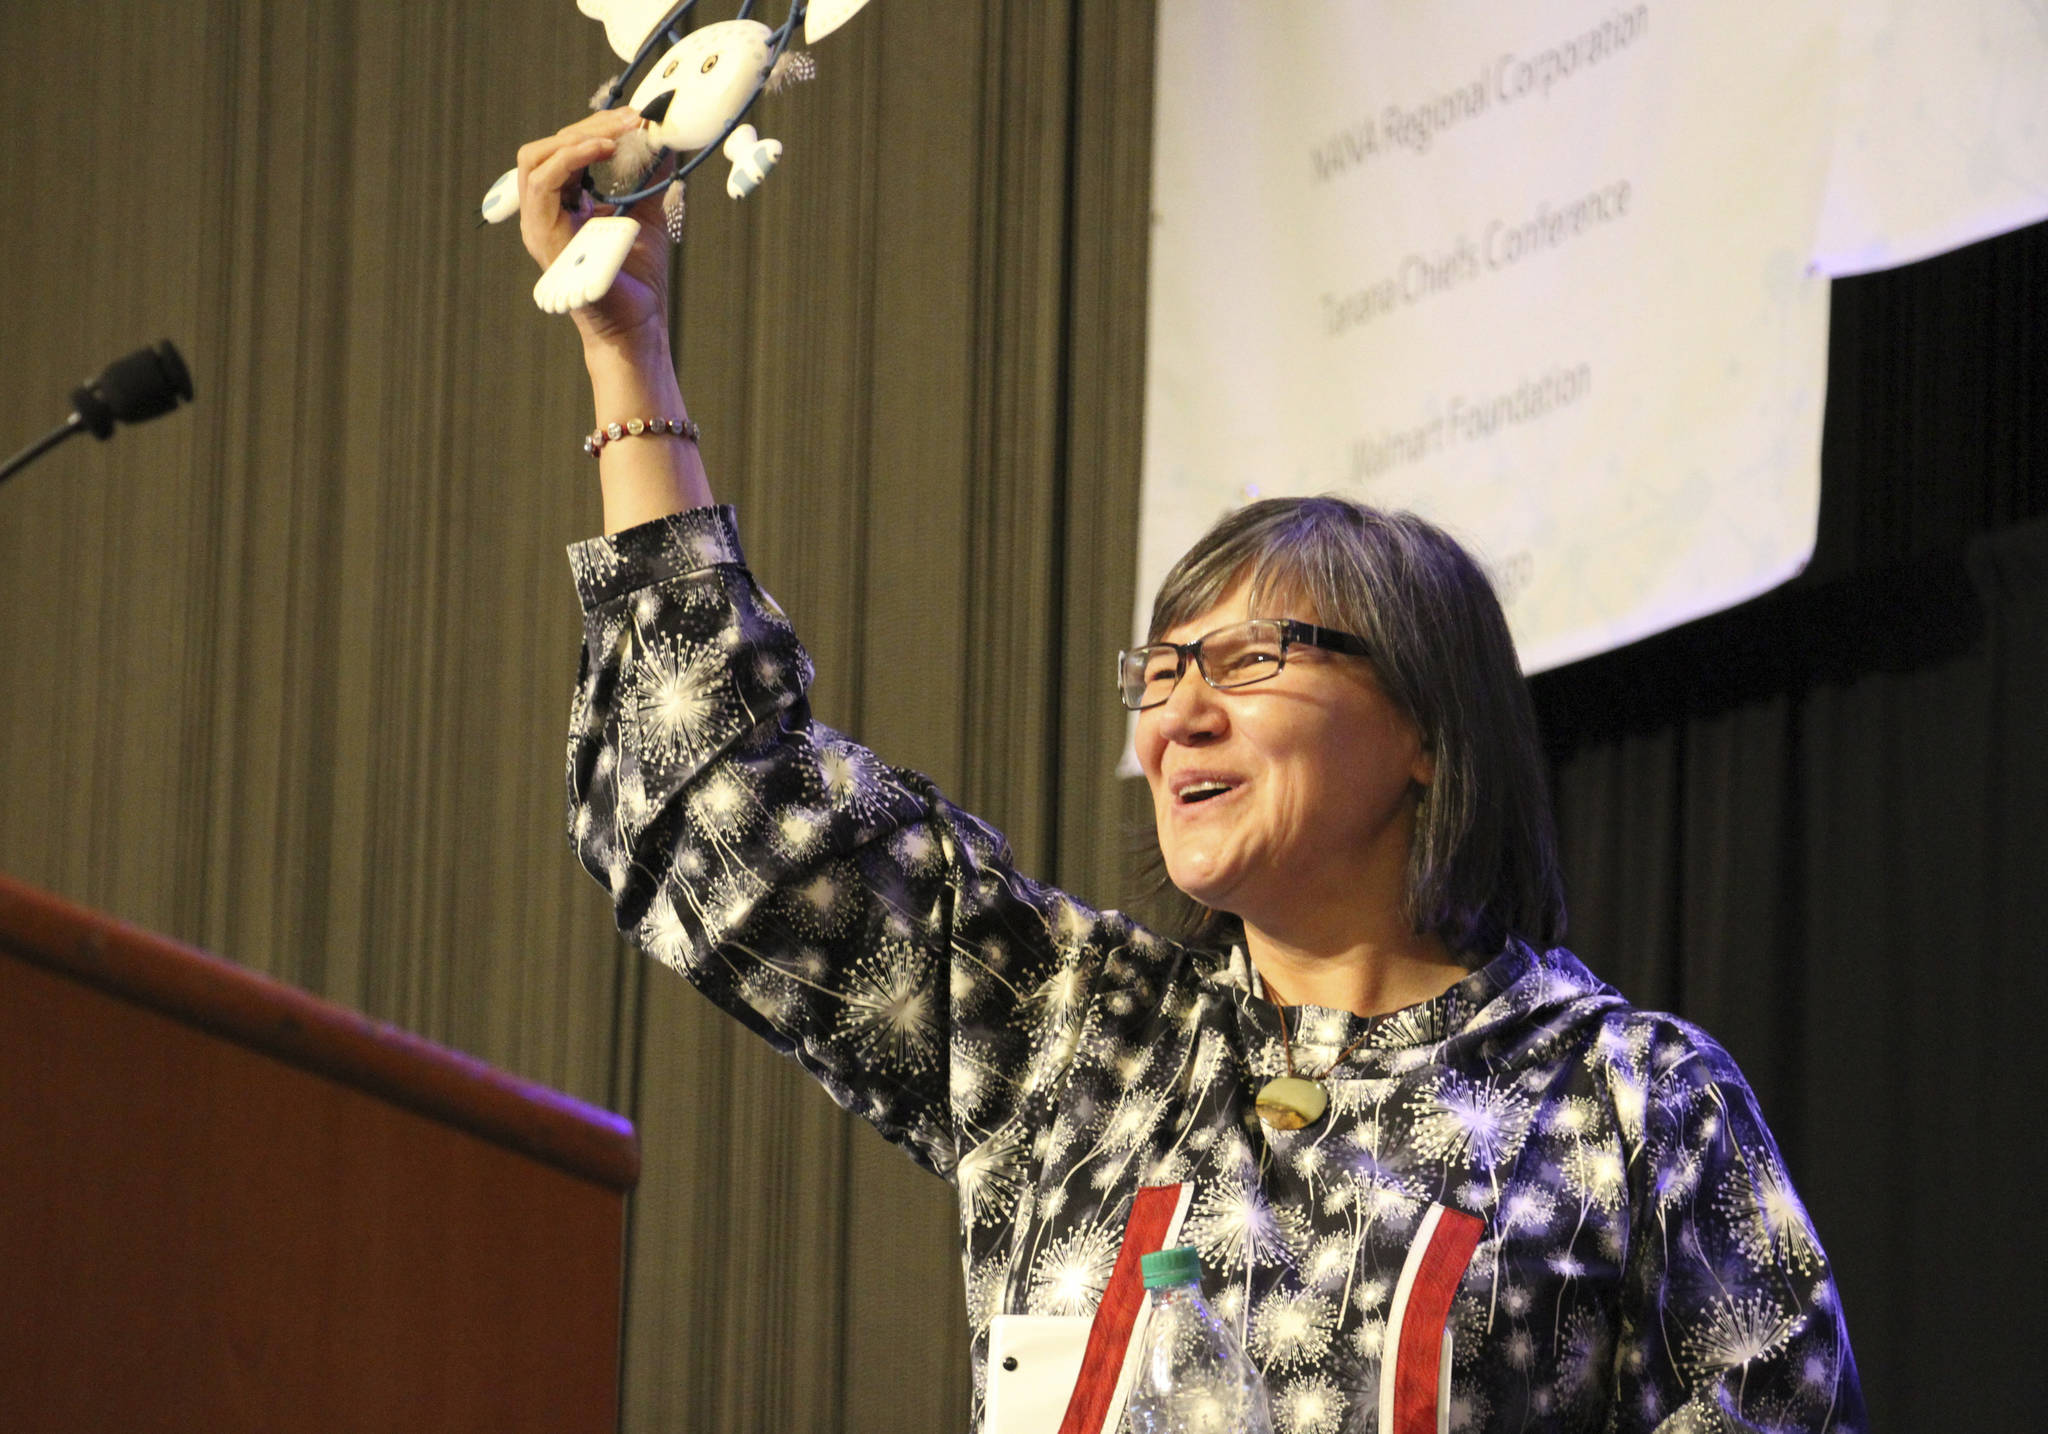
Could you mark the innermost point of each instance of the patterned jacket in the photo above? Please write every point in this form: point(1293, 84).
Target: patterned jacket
point(1641, 1260)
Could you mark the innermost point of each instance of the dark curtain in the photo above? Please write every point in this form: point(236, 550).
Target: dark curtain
point(1813, 825)
point(285, 675)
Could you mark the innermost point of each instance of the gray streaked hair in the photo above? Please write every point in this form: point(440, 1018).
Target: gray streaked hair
point(1482, 864)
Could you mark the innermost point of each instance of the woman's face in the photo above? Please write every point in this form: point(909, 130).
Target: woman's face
point(1289, 799)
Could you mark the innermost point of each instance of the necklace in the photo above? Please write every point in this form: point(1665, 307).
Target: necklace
point(1293, 1102)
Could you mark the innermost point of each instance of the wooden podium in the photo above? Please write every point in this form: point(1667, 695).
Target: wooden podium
point(228, 1206)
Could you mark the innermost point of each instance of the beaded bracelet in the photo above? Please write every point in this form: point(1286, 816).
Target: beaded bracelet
point(634, 427)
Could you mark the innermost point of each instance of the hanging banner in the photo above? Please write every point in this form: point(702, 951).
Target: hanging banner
point(1544, 274)
point(1941, 130)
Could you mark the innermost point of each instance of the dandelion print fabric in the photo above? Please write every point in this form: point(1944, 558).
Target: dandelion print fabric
point(1644, 1262)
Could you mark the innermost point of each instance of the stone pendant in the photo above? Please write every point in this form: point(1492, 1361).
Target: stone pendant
point(1291, 1103)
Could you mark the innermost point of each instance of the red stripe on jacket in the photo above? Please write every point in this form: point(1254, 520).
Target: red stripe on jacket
point(1109, 1337)
point(1418, 1369)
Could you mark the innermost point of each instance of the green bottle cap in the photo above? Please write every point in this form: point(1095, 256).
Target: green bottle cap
point(1172, 1267)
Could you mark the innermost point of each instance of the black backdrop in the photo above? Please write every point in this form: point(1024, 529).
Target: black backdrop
point(1814, 825)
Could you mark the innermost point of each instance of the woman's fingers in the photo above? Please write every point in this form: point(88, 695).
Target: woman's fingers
point(611, 123)
point(551, 175)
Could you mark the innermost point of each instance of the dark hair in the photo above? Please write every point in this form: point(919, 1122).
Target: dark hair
point(1483, 861)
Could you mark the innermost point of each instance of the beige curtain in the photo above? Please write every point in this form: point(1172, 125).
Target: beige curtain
point(284, 674)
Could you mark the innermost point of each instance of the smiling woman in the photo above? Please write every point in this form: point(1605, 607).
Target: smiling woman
point(1289, 804)
point(1439, 655)
point(1439, 1174)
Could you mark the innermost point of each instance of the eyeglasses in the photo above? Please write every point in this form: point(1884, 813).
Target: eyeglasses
point(1234, 656)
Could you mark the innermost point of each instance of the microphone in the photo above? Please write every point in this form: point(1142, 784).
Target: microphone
point(132, 388)
point(141, 385)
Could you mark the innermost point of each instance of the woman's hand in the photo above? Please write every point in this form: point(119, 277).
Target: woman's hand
point(633, 316)
point(625, 333)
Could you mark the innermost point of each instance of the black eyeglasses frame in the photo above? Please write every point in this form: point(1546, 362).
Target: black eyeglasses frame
point(1292, 632)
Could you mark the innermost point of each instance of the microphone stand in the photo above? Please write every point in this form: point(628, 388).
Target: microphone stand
point(69, 428)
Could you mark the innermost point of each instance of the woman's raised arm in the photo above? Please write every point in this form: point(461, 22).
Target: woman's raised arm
point(625, 333)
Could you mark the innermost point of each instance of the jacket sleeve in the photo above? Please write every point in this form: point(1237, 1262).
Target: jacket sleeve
point(1730, 1315)
point(838, 906)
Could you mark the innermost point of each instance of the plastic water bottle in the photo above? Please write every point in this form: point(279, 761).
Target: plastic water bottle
point(1193, 1376)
